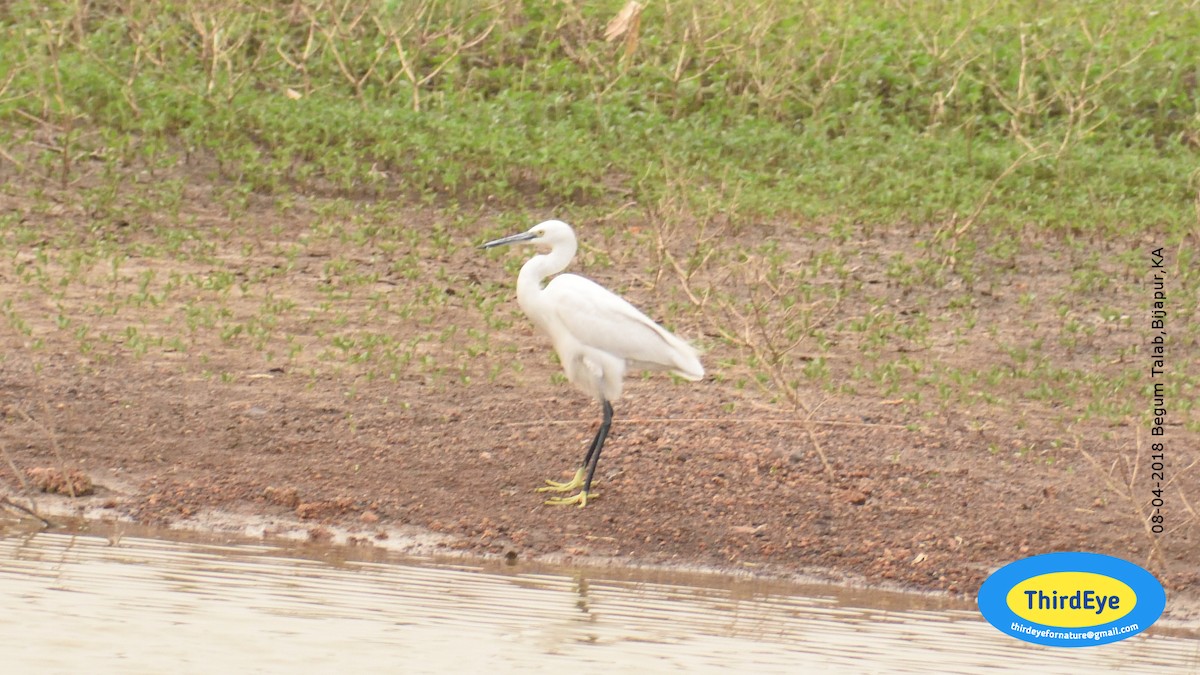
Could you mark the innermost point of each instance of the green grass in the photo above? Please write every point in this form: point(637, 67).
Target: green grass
point(1068, 115)
point(890, 151)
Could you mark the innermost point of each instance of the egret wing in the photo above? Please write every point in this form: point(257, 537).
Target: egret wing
point(599, 318)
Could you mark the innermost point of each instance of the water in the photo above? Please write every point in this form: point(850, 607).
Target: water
point(100, 603)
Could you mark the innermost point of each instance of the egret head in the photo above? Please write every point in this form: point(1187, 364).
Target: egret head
point(547, 235)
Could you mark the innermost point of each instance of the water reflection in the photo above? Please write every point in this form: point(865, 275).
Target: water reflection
point(103, 603)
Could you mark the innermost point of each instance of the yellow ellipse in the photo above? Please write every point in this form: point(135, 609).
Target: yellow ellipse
point(1071, 599)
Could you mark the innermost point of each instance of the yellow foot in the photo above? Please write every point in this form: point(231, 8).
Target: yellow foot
point(574, 484)
point(580, 498)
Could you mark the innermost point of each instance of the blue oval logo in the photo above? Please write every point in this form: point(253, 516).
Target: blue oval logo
point(1071, 599)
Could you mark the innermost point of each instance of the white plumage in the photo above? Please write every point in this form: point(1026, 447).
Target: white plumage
point(597, 334)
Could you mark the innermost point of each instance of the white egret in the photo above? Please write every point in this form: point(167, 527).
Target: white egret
point(596, 333)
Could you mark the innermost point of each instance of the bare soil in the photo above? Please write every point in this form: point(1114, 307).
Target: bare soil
point(707, 474)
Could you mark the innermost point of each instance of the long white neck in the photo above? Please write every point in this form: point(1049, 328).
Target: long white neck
point(536, 269)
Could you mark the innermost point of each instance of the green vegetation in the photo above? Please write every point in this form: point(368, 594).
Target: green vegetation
point(1063, 114)
point(839, 191)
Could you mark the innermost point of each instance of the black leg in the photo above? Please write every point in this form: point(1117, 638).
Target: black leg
point(587, 459)
point(593, 456)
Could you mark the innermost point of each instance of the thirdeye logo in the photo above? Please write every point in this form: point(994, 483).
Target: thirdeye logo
point(1071, 599)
